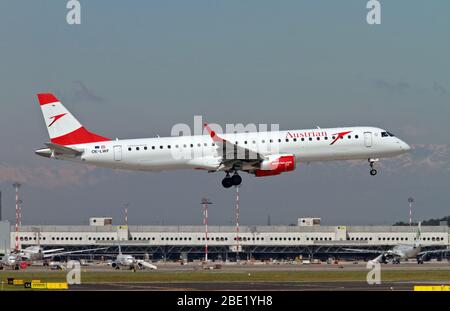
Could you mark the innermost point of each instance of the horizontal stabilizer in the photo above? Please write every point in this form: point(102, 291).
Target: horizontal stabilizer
point(63, 150)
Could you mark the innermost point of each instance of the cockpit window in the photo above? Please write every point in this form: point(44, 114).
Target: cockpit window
point(386, 134)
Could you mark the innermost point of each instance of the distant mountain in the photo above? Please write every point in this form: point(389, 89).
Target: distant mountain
point(429, 158)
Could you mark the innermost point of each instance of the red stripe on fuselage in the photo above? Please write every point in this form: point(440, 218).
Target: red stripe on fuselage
point(340, 135)
point(80, 136)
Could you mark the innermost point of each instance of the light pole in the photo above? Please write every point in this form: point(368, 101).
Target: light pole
point(16, 186)
point(237, 223)
point(205, 203)
point(410, 201)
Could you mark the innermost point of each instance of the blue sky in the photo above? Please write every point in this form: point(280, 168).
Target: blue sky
point(135, 68)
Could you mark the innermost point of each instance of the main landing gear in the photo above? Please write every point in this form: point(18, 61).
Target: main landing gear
point(234, 180)
point(373, 171)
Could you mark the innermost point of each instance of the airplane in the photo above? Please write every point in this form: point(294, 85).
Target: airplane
point(402, 251)
point(36, 253)
point(12, 261)
point(262, 154)
point(22, 258)
point(128, 261)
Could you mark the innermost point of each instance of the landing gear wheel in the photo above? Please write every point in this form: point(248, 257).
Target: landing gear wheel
point(372, 161)
point(227, 182)
point(236, 180)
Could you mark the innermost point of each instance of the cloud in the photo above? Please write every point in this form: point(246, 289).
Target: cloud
point(50, 177)
point(83, 94)
point(439, 88)
point(392, 87)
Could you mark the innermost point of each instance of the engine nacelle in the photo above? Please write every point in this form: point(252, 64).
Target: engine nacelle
point(275, 165)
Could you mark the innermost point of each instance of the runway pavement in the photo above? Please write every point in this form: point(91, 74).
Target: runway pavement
point(252, 286)
point(233, 267)
point(233, 277)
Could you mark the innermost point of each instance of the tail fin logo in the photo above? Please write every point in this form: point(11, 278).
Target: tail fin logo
point(56, 118)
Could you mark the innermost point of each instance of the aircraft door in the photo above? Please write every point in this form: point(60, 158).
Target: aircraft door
point(368, 139)
point(117, 153)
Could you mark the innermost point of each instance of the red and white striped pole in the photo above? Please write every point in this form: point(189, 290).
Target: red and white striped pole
point(237, 223)
point(126, 213)
point(410, 201)
point(205, 203)
point(17, 185)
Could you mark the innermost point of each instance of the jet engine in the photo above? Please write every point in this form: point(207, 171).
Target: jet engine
point(275, 165)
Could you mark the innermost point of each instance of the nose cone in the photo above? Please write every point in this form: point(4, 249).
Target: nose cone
point(404, 146)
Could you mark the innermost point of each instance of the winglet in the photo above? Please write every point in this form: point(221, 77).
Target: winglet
point(213, 134)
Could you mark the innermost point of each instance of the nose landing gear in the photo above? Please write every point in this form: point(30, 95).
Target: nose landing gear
point(234, 180)
point(373, 171)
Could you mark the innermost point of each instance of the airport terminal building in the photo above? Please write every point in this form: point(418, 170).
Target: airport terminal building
point(308, 239)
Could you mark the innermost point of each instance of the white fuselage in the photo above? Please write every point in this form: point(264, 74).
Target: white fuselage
point(406, 251)
point(200, 152)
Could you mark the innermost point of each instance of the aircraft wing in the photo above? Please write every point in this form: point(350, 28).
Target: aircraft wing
point(146, 264)
point(231, 152)
point(52, 250)
point(360, 250)
point(437, 251)
point(72, 252)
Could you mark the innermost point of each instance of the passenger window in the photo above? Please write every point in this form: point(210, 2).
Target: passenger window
point(287, 140)
point(356, 136)
point(318, 138)
point(129, 149)
point(160, 147)
point(310, 139)
point(295, 139)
